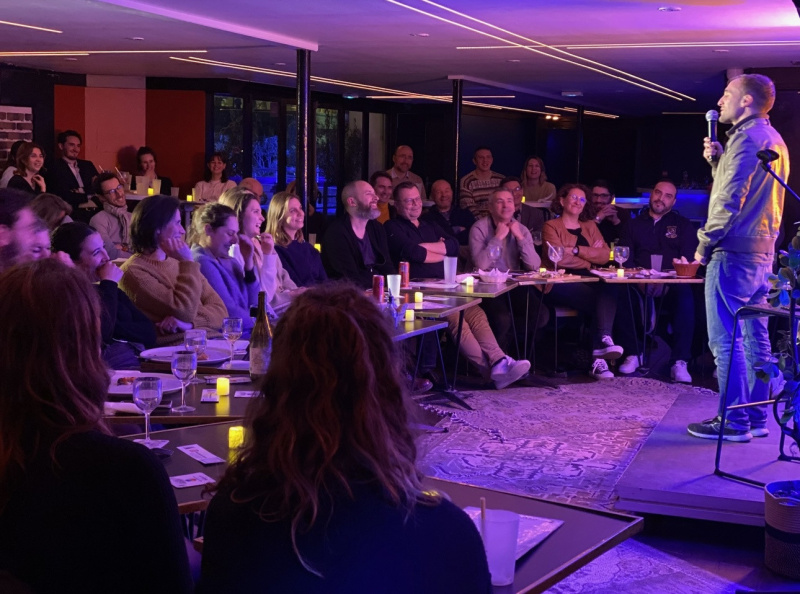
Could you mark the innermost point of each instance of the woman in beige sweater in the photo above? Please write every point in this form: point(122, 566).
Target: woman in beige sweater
point(161, 278)
point(583, 247)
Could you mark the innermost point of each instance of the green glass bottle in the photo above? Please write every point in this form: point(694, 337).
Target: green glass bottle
point(260, 341)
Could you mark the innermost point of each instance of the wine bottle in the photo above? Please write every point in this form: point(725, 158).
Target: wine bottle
point(260, 341)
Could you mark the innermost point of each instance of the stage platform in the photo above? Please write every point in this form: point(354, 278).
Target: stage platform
point(673, 473)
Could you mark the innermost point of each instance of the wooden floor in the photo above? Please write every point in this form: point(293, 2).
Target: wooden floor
point(673, 473)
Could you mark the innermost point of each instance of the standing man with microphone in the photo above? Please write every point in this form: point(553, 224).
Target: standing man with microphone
point(737, 243)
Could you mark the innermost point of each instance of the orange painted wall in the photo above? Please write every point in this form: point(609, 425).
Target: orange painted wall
point(176, 132)
point(115, 126)
point(69, 111)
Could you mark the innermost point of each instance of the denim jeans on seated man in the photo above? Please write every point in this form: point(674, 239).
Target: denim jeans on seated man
point(734, 280)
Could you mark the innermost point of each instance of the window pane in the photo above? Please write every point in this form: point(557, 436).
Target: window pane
point(377, 143)
point(265, 144)
point(327, 126)
point(353, 146)
point(291, 143)
point(228, 131)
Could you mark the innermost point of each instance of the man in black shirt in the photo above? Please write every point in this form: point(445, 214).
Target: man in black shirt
point(610, 219)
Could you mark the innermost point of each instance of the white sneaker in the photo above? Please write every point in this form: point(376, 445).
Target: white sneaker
point(630, 364)
point(679, 373)
point(607, 350)
point(600, 369)
point(506, 371)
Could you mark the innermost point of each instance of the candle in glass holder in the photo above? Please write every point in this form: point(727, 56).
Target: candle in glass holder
point(542, 270)
point(235, 437)
point(189, 198)
point(620, 273)
point(150, 191)
point(223, 386)
point(469, 281)
point(418, 297)
point(318, 247)
point(408, 316)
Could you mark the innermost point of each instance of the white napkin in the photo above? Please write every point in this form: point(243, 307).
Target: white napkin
point(127, 408)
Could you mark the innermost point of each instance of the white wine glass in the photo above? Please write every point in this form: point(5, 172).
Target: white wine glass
point(231, 331)
point(184, 368)
point(556, 254)
point(147, 393)
point(494, 253)
point(621, 254)
point(196, 340)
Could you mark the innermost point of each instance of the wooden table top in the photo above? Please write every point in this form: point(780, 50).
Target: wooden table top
point(555, 280)
point(441, 306)
point(479, 289)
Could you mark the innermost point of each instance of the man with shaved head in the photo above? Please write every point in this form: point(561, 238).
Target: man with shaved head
point(403, 158)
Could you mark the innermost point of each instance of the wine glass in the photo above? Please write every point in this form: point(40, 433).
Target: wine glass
point(621, 254)
point(537, 238)
point(231, 331)
point(184, 367)
point(195, 340)
point(494, 254)
point(556, 254)
point(147, 396)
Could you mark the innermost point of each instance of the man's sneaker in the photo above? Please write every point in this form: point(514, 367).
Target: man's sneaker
point(630, 364)
point(600, 369)
point(759, 431)
point(506, 371)
point(710, 430)
point(607, 349)
point(679, 373)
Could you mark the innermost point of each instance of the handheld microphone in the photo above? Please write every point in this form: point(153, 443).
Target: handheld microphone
point(712, 116)
point(767, 156)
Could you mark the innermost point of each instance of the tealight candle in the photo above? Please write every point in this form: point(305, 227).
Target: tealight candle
point(469, 281)
point(223, 386)
point(150, 192)
point(542, 270)
point(235, 437)
point(620, 273)
point(418, 297)
point(189, 198)
point(408, 316)
point(318, 247)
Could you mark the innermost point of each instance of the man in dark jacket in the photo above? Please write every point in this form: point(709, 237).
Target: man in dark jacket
point(71, 177)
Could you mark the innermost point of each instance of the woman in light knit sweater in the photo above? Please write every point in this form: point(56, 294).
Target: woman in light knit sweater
point(162, 279)
point(215, 230)
point(272, 277)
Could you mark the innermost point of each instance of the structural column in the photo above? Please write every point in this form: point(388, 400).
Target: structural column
point(579, 147)
point(304, 180)
point(458, 94)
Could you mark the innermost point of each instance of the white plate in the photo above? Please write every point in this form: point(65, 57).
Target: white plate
point(239, 347)
point(168, 382)
point(165, 354)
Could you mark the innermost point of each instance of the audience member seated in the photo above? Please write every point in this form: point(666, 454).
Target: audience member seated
point(40, 249)
point(273, 279)
point(583, 246)
point(162, 279)
point(18, 227)
point(662, 231)
point(215, 230)
point(500, 241)
point(476, 187)
point(381, 182)
point(424, 245)
point(402, 160)
point(609, 218)
point(78, 507)
point(71, 177)
point(215, 180)
point(52, 209)
point(251, 184)
point(532, 218)
point(125, 330)
point(113, 223)
point(147, 168)
point(454, 220)
point(316, 223)
point(535, 186)
point(11, 163)
point(325, 496)
point(27, 176)
point(355, 246)
point(285, 223)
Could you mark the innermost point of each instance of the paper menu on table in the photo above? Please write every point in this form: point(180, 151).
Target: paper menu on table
point(200, 454)
point(194, 479)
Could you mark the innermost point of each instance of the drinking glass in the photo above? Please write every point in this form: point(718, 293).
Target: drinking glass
point(537, 237)
point(184, 367)
point(195, 340)
point(494, 254)
point(621, 254)
point(146, 396)
point(556, 254)
point(231, 331)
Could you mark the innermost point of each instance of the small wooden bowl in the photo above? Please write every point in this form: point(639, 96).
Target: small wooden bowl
point(685, 270)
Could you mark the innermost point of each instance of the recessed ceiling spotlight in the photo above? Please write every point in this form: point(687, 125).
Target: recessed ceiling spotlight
point(423, 34)
point(571, 94)
point(514, 61)
point(135, 38)
point(669, 9)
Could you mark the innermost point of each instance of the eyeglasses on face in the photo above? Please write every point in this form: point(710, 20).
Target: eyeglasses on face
point(599, 195)
point(410, 201)
point(576, 198)
point(119, 188)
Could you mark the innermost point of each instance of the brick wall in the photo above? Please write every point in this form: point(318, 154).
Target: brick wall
point(16, 123)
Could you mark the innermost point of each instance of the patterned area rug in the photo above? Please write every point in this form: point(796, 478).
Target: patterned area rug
point(570, 444)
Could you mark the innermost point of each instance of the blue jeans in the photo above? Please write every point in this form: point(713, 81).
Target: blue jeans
point(734, 280)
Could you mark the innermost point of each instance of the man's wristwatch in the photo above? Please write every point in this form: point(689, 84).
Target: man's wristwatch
point(575, 251)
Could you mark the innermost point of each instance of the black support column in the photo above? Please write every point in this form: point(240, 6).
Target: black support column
point(304, 180)
point(458, 95)
point(579, 147)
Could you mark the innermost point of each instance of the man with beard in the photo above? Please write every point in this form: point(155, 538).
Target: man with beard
point(17, 228)
point(382, 183)
point(71, 177)
point(113, 223)
point(400, 172)
point(661, 231)
point(355, 246)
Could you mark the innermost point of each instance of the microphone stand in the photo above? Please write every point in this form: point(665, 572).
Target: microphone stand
point(768, 168)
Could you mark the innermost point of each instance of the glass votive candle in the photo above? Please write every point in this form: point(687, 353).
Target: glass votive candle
point(469, 281)
point(620, 273)
point(318, 247)
point(223, 386)
point(235, 437)
point(408, 316)
point(418, 297)
point(542, 270)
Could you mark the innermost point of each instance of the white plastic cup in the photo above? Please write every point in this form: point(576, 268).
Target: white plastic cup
point(500, 542)
point(655, 262)
point(175, 192)
point(450, 269)
point(156, 185)
point(312, 238)
point(142, 184)
point(393, 284)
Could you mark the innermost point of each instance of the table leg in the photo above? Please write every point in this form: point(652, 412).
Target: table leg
point(514, 323)
point(449, 391)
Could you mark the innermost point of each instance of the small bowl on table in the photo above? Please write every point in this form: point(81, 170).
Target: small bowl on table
point(493, 276)
point(685, 270)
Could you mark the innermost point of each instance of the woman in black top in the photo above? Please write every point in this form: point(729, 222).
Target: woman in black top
point(28, 176)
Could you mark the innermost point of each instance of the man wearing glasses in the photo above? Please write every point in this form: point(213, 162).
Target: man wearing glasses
point(113, 223)
point(611, 220)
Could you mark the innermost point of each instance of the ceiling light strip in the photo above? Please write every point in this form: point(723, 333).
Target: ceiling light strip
point(45, 29)
point(513, 43)
point(448, 97)
point(586, 112)
point(93, 52)
point(39, 54)
point(544, 45)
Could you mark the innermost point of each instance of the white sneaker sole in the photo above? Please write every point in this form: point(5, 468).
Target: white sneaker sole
point(518, 371)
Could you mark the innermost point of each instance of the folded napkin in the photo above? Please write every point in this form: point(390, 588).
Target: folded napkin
point(460, 278)
point(125, 408)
